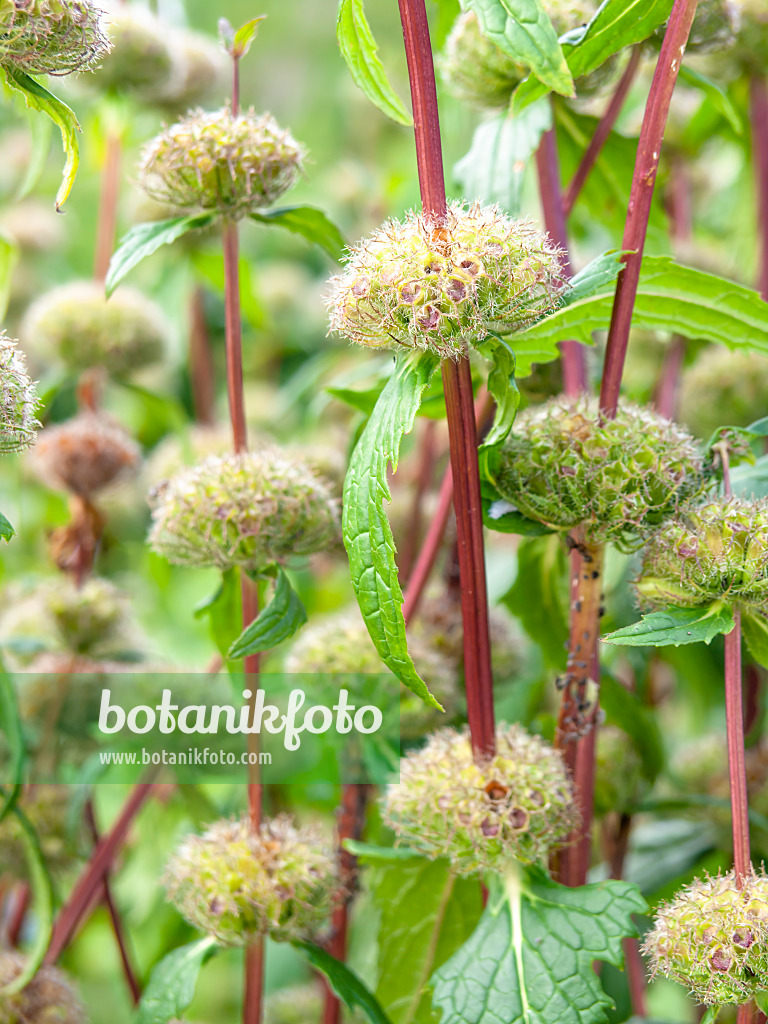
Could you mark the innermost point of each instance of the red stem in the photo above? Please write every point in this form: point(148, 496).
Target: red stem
point(603, 130)
point(758, 105)
point(737, 772)
point(201, 370)
point(21, 896)
point(234, 335)
point(459, 399)
point(106, 230)
point(421, 488)
point(641, 194)
point(425, 562)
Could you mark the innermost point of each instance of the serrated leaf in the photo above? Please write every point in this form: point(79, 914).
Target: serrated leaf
point(754, 629)
point(6, 529)
point(145, 239)
point(540, 595)
point(244, 36)
point(715, 94)
point(282, 617)
point(10, 727)
point(224, 610)
point(38, 98)
point(503, 388)
point(172, 984)
point(617, 23)
point(367, 533)
point(308, 222)
point(522, 30)
point(675, 626)
point(358, 48)
point(345, 984)
point(530, 959)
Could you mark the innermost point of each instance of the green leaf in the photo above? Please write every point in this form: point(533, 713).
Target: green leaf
point(675, 626)
point(224, 611)
point(623, 708)
point(761, 998)
point(671, 298)
point(501, 516)
point(282, 617)
point(426, 914)
point(10, 726)
point(530, 959)
point(540, 597)
point(346, 985)
point(41, 130)
point(754, 629)
point(308, 222)
point(172, 984)
point(370, 853)
point(750, 480)
point(244, 36)
point(617, 23)
point(600, 272)
point(363, 401)
point(358, 48)
point(145, 239)
point(712, 1011)
point(6, 529)
point(715, 94)
point(38, 98)
point(367, 533)
point(503, 388)
point(522, 30)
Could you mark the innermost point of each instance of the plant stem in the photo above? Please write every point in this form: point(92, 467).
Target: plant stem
point(201, 370)
point(106, 230)
point(641, 194)
point(425, 561)
point(737, 772)
point(234, 335)
point(422, 483)
point(459, 399)
point(603, 130)
point(758, 108)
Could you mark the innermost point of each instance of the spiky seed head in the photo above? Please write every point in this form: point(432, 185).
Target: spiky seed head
point(516, 805)
point(204, 67)
point(51, 37)
point(76, 325)
point(18, 424)
point(618, 772)
point(713, 938)
point(723, 388)
point(340, 644)
point(85, 454)
point(443, 286)
point(143, 60)
point(47, 809)
point(565, 466)
point(716, 552)
point(239, 884)
point(49, 998)
point(751, 47)
point(233, 164)
point(248, 510)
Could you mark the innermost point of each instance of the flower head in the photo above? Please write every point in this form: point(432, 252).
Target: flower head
point(143, 58)
point(238, 884)
point(48, 998)
point(444, 286)
point(234, 164)
point(249, 510)
point(51, 37)
point(565, 467)
point(713, 938)
point(85, 454)
point(17, 400)
point(516, 805)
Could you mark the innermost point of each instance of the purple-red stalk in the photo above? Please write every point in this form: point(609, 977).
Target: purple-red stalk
point(422, 483)
point(201, 375)
point(427, 556)
point(758, 108)
point(459, 398)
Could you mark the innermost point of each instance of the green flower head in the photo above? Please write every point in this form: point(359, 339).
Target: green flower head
point(18, 400)
point(51, 37)
point(143, 59)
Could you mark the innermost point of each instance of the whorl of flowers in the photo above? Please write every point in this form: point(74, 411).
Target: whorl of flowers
point(565, 466)
point(723, 388)
point(233, 164)
point(143, 59)
point(716, 552)
point(443, 286)
point(713, 938)
point(78, 326)
point(85, 454)
point(247, 510)
point(51, 37)
point(516, 805)
point(238, 884)
point(18, 400)
point(48, 999)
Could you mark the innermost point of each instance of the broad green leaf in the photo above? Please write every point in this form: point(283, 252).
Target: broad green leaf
point(172, 984)
point(6, 529)
point(761, 998)
point(600, 272)
point(281, 618)
point(530, 960)
point(358, 48)
point(363, 401)
point(711, 1013)
point(346, 985)
point(224, 611)
point(146, 239)
point(426, 914)
point(244, 36)
point(716, 94)
point(617, 23)
point(308, 222)
point(503, 389)
point(38, 98)
point(675, 626)
point(623, 708)
point(10, 727)
point(368, 852)
point(540, 597)
point(750, 480)
point(501, 516)
point(9, 256)
point(42, 900)
point(522, 30)
point(493, 169)
point(367, 533)
point(671, 298)
point(754, 629)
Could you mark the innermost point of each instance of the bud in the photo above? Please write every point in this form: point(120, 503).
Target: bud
point(238, 884)
point(723, 388)
point(48, 998)
point(85, 454)
point(77, 326)
point(716, 552)
point(51, 37)
point(142, 60)
point(17, 394)
point(249, 510)
point(516, 805)
point(341, 645)
point(443, 286)
point(713, 938)
point(618, 772)
point(218, 161)
point(565, 466)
